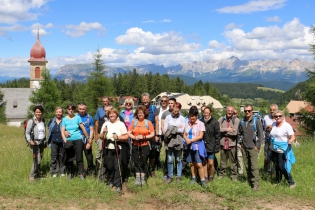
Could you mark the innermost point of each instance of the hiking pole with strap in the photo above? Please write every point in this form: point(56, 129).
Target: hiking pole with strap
point(102, 151)
point(34, 150)
point(140, 162)
point(116, 148)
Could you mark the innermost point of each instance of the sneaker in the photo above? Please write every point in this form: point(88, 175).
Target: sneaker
point(82, 177)
point(32, 178)
point(69, 176)
point(292, 186)
point(203, 184)
point(165, 177)
point(137, 182)
point(193, 181)
point(54, 175)
point(111, 185)
point(255, 188)
point(142, 181)
point(169, 180)
point(276, 184)
point(234, 179)
point(62, 175)
point(178, 180)
point(118, 190)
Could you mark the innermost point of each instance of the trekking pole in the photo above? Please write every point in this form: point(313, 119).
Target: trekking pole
point(34, 158)
point(116, 147)
point(140, 162)
point(101, 162)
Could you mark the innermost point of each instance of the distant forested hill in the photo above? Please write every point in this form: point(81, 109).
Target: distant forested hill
point(246, 90)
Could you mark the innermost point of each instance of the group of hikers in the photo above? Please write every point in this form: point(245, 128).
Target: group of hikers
point(131, 141)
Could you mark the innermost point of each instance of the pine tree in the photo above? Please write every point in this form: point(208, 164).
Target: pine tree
point(48, 95)
point(98, 85)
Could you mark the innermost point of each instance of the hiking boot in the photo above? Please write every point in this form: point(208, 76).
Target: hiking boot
point(178, 180)
point(137, 182)
point(169, 180)
point(255, 188)
point(210, 179)
point(82, 177)
point(153, 174)
point(142, 181)
point(69, 176)
point(32, 178)
point(292, 186)
point(118, 190)
point(165, 177)
point(111, 185)
point(203, 184)
point(193, 181)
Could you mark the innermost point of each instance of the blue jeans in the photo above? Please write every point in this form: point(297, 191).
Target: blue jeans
point(171, 153)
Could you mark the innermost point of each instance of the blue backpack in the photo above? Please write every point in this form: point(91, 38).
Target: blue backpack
point(146, 122)
point(253, 124)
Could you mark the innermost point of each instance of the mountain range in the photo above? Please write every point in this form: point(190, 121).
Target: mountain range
point(232, 70)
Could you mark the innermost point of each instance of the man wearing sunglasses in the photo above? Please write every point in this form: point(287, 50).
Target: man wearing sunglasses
point(251, 134)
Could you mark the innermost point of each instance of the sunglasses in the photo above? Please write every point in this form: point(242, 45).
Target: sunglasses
point(247, 111)
point(128, 104)
point(278, 116)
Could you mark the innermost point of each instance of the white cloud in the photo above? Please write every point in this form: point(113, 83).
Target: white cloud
point(12, 11)
point(253, 6)
point(37, 27)
point(160, 21)
point(165, 43)
point(15, 27)
point(83, 28)
point(232, 25)
point(213, 44)
point(273, 19)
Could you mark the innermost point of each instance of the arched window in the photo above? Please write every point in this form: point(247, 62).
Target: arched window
point(37, 72)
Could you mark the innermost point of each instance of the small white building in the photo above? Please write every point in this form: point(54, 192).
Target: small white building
point(187, 101)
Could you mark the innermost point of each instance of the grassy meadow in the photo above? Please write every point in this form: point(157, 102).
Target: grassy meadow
point(17, 192)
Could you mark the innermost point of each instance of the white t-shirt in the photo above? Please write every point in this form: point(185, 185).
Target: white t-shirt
point(160, 119)
point(117, 127)
point(281, 134)
point(41, 130)
point(268, 120)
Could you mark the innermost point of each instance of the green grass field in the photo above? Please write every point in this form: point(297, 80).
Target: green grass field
point(17, 192)
point(270, 89)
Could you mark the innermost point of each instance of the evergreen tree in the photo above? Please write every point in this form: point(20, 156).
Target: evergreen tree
point(3, 118)
point(307, 117)
point(48, 95)
point(97, 85)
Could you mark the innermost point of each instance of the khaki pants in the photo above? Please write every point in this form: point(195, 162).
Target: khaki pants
point(226, 155)
point(251, 164)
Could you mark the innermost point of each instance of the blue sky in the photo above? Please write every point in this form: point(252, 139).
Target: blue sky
point(160, 32)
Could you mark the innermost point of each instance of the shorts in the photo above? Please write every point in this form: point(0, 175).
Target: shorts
point(193, 156)
point(210, 155)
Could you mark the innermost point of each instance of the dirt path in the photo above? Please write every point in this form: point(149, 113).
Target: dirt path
point(131, 200)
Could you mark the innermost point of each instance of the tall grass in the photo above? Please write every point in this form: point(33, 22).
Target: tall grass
point(16, 161)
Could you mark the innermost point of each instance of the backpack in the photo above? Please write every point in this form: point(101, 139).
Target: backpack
point(32, 130)
point(146, 122)
point(255, 118)
point(233, 120)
